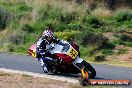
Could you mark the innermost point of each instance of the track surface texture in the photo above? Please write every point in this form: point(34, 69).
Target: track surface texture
point(29, 64)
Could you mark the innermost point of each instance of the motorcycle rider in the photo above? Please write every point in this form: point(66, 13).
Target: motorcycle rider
point(42, 47)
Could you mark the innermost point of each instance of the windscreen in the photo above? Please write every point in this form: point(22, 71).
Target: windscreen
point(66, 46)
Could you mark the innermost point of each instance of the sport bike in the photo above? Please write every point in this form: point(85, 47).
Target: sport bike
point(65, 58)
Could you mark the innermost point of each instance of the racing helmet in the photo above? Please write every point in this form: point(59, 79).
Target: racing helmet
point(47, 33)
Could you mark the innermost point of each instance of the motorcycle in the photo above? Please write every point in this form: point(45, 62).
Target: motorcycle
point(65, 58)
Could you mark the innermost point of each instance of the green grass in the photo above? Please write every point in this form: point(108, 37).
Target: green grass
point(122, 51)
point(70, 22)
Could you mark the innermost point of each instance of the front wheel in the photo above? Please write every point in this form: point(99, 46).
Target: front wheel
point(91, 70)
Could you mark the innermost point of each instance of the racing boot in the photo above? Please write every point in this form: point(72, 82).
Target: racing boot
point(45, 69)
point(44, 65)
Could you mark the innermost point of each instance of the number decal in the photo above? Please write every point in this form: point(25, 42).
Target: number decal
point(34, 54)
point(73, 53)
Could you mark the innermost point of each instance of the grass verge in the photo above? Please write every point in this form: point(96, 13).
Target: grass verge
point(10, 80)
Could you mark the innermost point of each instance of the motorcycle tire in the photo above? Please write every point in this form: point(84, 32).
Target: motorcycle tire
point(89, 68)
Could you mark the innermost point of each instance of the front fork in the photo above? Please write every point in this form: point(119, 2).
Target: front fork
point(78, 63)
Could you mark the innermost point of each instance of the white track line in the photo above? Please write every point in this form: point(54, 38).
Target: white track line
point(40, 75)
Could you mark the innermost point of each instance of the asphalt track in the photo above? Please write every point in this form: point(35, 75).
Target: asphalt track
point(29, 64)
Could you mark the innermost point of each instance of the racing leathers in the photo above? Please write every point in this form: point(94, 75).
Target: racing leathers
point(42, 51)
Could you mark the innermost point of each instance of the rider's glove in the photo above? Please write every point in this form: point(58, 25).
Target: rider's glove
point(56, 40)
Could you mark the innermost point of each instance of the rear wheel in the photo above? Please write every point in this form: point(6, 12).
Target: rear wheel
point(91, 70)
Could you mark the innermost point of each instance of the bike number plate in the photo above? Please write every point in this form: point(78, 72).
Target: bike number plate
point(73, 53)
point(34, 54)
